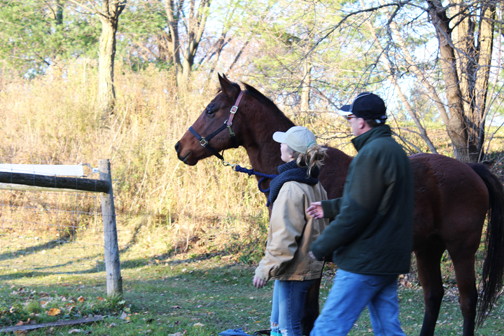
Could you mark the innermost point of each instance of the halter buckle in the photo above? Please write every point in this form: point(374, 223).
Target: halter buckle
point(203, 142)
point(234, 109)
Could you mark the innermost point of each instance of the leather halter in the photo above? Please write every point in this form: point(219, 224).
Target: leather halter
point(204, 141)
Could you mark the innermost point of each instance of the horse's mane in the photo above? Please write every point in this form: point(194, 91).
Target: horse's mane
point(263, 99)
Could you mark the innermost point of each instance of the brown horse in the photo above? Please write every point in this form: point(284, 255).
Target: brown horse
point(452, 199)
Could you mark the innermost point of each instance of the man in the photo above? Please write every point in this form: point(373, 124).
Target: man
point(370, 238)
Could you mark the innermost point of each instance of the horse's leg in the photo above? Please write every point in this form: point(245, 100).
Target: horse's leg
point(311, 307)
point(428, 259)
point(463, 262)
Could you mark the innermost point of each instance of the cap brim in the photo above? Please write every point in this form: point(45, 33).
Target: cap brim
point(345, 110)
point(279, 137)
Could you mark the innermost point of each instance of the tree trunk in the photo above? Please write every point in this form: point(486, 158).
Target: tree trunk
point(306, 86)
point(466, 68)
point(485, 39)
point(195, 28)
point(173, 15)
point(59, 12)
point(106, 91)
point(391, 69)
point(109, 19)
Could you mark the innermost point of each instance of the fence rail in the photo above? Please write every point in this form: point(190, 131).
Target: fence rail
point(56, 182)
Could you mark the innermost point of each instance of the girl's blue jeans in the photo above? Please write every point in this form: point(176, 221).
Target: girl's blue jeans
point(288, 305)
point(350, 294)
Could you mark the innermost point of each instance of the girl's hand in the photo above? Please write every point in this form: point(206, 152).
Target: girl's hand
point(258, 282)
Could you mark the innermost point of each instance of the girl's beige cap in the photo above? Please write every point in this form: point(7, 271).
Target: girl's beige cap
point(298, 138)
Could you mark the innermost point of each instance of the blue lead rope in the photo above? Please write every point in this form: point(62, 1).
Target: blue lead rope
point(251, 172)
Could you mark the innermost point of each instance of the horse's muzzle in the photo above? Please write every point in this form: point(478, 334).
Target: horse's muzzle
point(177, 149)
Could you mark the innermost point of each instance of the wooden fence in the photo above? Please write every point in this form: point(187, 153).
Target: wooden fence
point(103, 186)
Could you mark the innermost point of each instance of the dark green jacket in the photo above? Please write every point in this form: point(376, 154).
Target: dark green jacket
point(372, 230)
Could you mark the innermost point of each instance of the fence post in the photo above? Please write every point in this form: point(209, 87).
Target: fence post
point(112, 263)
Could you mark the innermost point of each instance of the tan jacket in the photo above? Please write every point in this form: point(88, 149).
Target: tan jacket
point(291, 233)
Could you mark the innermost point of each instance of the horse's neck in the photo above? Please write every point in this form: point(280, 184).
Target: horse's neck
point(262, 150)
point(262, 158)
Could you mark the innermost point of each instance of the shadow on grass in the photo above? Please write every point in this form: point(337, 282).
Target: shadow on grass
point(34, 249)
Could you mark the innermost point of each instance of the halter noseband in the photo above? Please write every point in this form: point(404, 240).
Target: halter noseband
point(204, 141)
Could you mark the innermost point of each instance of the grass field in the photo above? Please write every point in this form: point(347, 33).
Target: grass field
point(180, 294)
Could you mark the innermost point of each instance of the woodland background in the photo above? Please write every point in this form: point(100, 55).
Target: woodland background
point(86, 80)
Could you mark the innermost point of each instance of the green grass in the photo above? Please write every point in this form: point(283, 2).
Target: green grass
point(200, 290)
point(200, 297)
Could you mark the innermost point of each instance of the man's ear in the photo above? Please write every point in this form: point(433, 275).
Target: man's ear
point(361, 123)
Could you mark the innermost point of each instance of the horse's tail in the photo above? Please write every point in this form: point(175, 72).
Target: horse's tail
point(493, 266)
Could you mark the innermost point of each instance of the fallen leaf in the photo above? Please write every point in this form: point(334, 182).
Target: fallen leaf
point(20, 323)
point(99, 298)
point(53, 312)
point(111, 325)
point(75, 331)
point(81, 299)
point(123, 316)
point(176, 307)
point(198, 324)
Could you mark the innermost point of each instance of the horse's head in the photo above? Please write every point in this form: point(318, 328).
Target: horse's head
point(212, 131)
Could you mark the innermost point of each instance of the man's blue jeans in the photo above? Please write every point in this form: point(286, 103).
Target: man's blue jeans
point(349, 296)
point(288, 305)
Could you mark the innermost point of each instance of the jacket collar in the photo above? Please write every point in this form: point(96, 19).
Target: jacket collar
point(374, 133)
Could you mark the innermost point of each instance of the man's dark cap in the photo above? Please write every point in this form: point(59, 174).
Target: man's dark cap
point(367, 106)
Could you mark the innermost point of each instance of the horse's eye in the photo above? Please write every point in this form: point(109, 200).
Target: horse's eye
point(210, 109)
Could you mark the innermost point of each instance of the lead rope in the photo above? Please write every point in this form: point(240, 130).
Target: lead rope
point(251, 172)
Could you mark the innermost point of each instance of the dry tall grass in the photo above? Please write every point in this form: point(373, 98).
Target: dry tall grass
point(165, 204)
point(53, 120)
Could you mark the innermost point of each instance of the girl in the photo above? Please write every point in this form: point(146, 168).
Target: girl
point(291, 231)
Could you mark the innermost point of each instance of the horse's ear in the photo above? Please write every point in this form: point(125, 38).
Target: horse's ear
point(226, 86)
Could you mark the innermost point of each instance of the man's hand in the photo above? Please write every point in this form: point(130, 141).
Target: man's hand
point(315, 210)
point(258, 282)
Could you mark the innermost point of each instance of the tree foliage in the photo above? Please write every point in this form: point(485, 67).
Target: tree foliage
point(303, 66)
point(36, 34)
point(443, 56)
point(447, 47)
